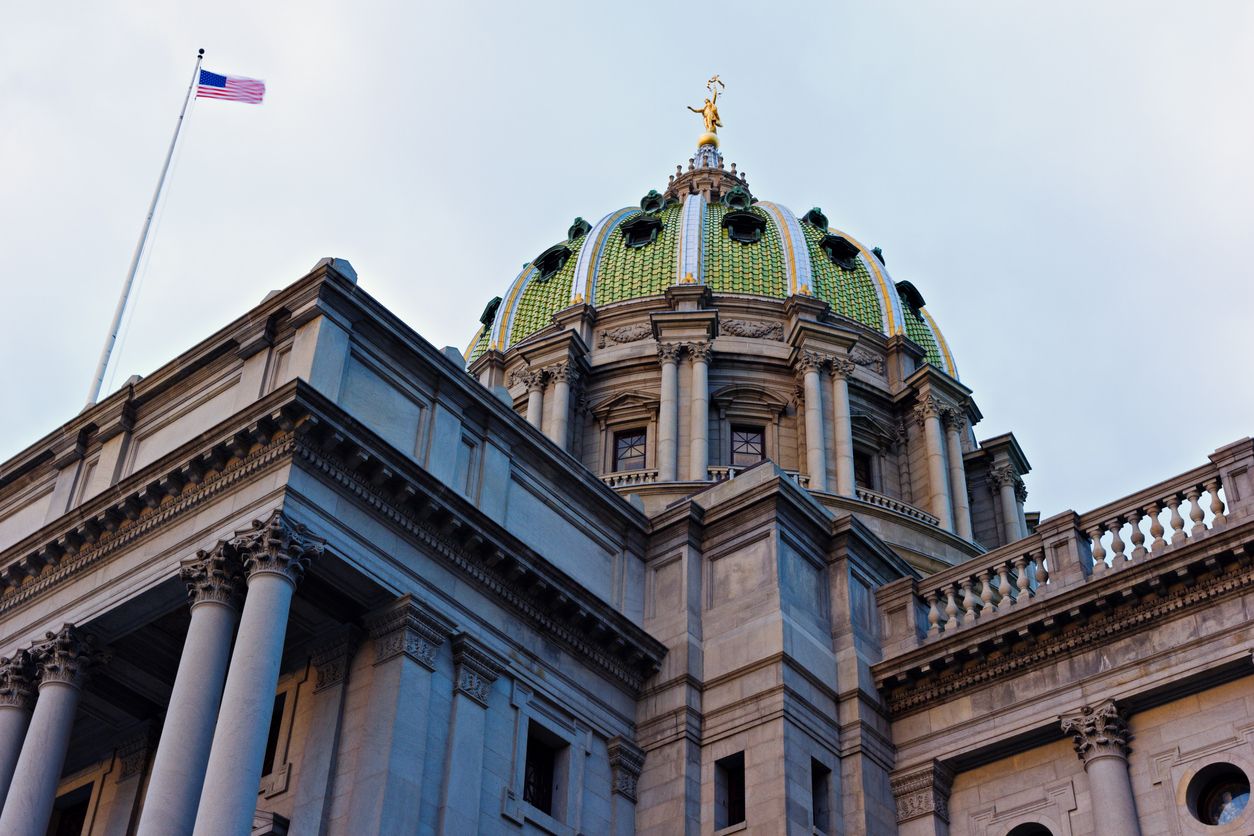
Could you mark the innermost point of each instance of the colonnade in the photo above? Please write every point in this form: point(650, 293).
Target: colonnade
point(943, 425)
point(562, 377)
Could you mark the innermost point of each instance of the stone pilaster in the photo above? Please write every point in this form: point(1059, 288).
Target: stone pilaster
point(475, 669)
point(626, 764)
point(1100, 734)
point(922, 798)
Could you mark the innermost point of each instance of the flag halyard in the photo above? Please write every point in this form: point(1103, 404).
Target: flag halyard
point(230, 88)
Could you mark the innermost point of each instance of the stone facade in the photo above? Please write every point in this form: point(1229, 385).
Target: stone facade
point(314, 577)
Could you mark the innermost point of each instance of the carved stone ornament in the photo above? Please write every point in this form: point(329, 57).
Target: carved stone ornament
point(626, 763)
point(699, 351)
point(17, 681)
point(840, 367)
point(476, 669)
point(133, 751)
point(810, 361)
point(862, 357)
point(669, 352)
point(923, 792)
point(408, 627)
point(67, 656)
point(625, 334)
point(954, 418)
point(752, 329)
point(1021, 491)
point(331, 656)
point(1002, 475)
point(1098, 731)
point(277, 546)
point(929, 407)
point(215, 576)
point(564, 372)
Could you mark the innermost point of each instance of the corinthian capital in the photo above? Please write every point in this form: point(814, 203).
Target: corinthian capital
point(215, 576)
point(66, 656)
point(564, 372)
point(699, 352)
point(810, 361)
point(929, 407)
point(17, 681)
point(408, 627)
point(841, 367)
point(1002, 475)
point(476, 668)
point(954, 418)
point(1021, 491)
point(1098, 731)
point(669, 352)
point(277, 546)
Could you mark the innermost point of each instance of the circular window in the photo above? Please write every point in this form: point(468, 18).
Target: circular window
point(1218, 794)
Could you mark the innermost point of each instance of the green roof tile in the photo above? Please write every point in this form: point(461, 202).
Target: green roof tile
point(851, 293)
point(733, 267)
point(540, 300)
point(631, 272)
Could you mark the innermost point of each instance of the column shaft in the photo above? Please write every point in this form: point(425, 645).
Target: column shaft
point(462, 782)
point(14, 721)
point(938, 478)
point(1114, 809)
point(233, 775)
point(1011, 529)
point(958, 483)
point(535, 405)
point(699, 431)
point(178, 771)
point(28, 807)
point(668, 416)
point(842, 428)
point(816, 445)
point(559, 430)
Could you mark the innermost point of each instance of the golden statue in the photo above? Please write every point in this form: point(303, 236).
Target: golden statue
point(709, 112)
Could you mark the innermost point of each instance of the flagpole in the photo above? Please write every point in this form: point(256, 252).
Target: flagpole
point(98, 380)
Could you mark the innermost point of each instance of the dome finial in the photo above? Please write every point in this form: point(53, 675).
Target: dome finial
point(709, 112)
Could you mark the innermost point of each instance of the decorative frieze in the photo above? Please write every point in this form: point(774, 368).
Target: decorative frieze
point(277, 546)
point(865, 358)
point(476, 668)
point(923, 792)
point(753, 329)
point(215, 576)
point(1098, 731)
point(67, 656)
point(625, 334)
point(17, 681)
point(626, 764)
point(409, 627)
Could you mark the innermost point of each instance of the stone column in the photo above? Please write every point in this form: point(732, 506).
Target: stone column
point(215, 586)
point(927, 413)
point(387, 785)
point(699, 428)
point(668, 414)
point(922, 798)
point(275, 556)
point(816, 446)
point(17, 698)
point(1003, 479)
point(842, 425)
point(626, 763)
point(564, 377)
point(955, 423)
point(1101, 737)
point(1021, 496)
point(64, 659)
point(475, 671)
point(535, 398)
point(331, 658)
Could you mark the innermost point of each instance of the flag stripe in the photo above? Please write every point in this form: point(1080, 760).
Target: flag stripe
point(230, 88)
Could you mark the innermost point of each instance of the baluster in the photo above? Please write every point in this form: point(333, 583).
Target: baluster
point(1004, 601)
point(1177, 522)
point(1138, 536)
point(970, 604)
point(951, 608)
point(1021, 580)
point(1156, 527)
point(1042, 574)
point(986, 590)
point(1099, 551)
point(1216, 504)
point(1117, 557)
point(933, 615)
point(1196, 513)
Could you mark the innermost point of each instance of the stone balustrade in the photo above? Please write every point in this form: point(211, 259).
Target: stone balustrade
point(629, 478)
point(995, 583)
point(904, 508)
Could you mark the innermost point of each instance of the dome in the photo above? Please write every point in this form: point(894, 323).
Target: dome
point(707, 228)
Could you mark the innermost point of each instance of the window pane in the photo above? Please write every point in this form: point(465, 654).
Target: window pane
point(629, 450)
point(748, 446)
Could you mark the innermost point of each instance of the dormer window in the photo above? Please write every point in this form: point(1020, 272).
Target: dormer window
point(744, 226)
point(910, 295)
point(641, 230)
point(550, 261)
point(842, 251)
point(816, 219)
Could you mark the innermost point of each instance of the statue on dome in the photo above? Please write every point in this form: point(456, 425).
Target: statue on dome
point(709, 112)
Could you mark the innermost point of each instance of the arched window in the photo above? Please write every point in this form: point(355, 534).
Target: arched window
point(1029, 828)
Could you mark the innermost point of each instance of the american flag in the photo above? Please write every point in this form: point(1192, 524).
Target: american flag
point(233, 88)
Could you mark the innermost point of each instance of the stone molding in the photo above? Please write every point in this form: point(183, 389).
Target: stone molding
point(476, 668)
point(17, 681)
point(277, 546)
point(753, 329)
point(215, 576)
point(625, 334)
point(332, 655)
point(923, 792)
point(626, 764)
point(409, 627)
point(929, 407)
point(67, 657)
point(1098, 731)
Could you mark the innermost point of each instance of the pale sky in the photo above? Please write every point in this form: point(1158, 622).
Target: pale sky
point(1069, 184)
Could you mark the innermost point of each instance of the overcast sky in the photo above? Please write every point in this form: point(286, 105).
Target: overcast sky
point(1069, 184)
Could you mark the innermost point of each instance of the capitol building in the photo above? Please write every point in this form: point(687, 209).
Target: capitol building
point(698, 535)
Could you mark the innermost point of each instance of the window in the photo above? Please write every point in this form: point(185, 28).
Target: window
point(820, 796)
point(640, 231)
point(1218, 794)
point(1029, 829)
point(629, 450)
point(542, 770)
point(748, 446)
point(729, 790)
point(862, 472)
point(272, 739)
point(69, 812)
